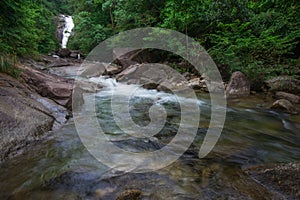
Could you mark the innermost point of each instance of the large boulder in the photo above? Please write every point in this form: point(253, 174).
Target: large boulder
point(93, 69)
point(150, 75)
point(22, 118)
point(284, 83)
point(47, 85)
point(239, 86)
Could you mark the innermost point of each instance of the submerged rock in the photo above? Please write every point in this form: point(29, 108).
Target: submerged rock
point(130, 195)
point(282, 178)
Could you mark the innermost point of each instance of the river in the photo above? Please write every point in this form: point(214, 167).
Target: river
point(60, 167)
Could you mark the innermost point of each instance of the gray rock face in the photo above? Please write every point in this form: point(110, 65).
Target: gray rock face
point(22, 118)
point(284, 83)
point(239, 86)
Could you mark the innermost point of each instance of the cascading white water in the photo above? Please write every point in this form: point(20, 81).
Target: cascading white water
point(69, 25)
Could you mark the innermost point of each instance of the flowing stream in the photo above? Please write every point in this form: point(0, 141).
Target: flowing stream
point(60, 167)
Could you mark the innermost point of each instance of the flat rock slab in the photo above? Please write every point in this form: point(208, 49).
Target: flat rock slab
point(22, 118)
point(47, 85)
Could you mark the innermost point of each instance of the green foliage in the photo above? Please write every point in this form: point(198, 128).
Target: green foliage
point(88, 33)
point(262, 47)
point(26, 27)
point(8, 65)
point(260, 38)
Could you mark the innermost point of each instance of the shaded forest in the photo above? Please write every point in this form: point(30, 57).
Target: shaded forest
point(259, 38)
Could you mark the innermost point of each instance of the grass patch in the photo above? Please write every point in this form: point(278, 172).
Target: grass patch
point(8, 65)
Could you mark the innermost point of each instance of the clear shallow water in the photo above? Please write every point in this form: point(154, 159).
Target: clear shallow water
point(60, 167)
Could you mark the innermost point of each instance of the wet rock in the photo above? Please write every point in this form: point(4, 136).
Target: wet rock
point(132, 194)
point(102, 193)
point(54, 87)
point(75, 54)
point(123, 57)
point(60, 113)
point(288, 96)
point(37, 65)
point(113, 69)
point(88, 86)
point(60, 63)
point(284, 83)
point(93, 69)
point(195, 83)
point(125, 62)
point(61, 195)
point(150, 85)
point(165, 86)
point(22, 119)
point(284, 105)
point(284, 178)
point(239, 86)
point(151, 74)
point(123, 76)
point(66, 71)
point(64, 52)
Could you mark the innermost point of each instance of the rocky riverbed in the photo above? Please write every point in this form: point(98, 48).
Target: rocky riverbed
point(257, 156)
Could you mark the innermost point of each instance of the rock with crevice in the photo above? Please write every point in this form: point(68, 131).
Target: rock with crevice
point(239, 86)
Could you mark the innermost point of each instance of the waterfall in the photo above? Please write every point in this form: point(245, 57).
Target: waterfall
point(69, 25)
